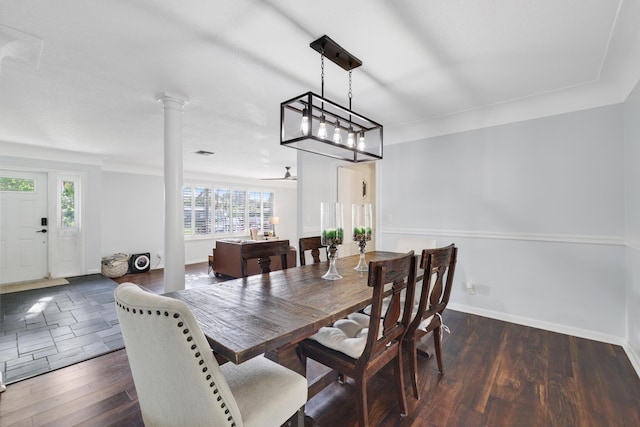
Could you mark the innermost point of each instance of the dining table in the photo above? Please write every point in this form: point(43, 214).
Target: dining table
point(270, 313)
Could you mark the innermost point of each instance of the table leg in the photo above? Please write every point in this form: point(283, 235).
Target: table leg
point(318, 376)
point(287, 356)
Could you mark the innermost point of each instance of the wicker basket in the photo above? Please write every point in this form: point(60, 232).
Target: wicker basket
point(115, 265)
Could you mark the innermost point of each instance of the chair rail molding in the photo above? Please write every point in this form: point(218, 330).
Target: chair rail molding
point(633, 244)
point(559, 238)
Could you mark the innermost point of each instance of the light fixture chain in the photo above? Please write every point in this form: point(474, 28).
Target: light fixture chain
point(322, 71)
point(350, 93)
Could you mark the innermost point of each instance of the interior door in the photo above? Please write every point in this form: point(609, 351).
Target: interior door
point(23, 226)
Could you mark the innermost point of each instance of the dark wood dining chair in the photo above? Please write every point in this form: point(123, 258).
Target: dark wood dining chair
point(314, 244)
point(263, 252)
point(361, 345)
point(439, 267)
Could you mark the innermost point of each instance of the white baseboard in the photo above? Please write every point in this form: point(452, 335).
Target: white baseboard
point(633, 356)
point(540, 324)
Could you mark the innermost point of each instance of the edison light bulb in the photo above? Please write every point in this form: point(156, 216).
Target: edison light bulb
point(361, 141)
point(351, 138)
point(322, 129)
point(337, 137)
point(304, 125)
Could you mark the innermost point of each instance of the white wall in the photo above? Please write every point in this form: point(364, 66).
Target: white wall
point(632, 159)
point(536, 209)
point(317, 183)
point(133, 215)
point(286, 208)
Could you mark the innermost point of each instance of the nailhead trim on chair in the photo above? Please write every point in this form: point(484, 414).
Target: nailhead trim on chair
point(197, 354)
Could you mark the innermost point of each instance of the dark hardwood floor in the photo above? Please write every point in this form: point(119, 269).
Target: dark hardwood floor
point(497, 374)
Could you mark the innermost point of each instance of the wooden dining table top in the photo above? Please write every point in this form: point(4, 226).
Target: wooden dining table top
point(243, 318)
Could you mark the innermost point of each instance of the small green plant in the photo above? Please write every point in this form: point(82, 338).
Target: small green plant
point(360, 233)
point(332, 236)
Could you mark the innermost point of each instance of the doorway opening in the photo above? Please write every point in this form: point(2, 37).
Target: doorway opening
point(356, 185)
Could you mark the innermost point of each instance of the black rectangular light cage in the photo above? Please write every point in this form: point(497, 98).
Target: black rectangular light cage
point(365, 144)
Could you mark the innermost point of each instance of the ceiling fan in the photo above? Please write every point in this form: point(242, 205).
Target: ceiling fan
point(287, 176)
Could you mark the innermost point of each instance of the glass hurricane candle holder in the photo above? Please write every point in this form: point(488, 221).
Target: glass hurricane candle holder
point(361, 219)
point(331, 220)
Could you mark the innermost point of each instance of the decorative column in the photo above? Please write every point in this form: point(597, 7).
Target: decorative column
point(173, 216)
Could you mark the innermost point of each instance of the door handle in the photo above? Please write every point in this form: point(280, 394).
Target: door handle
point(44, 230)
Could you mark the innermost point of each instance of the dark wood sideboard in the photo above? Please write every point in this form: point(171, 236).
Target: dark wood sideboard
point(227, 261)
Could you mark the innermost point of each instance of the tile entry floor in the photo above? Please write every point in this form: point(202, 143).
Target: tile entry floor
point(45, 329)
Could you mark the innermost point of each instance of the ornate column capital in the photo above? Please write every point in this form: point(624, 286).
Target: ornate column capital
point(172, 101)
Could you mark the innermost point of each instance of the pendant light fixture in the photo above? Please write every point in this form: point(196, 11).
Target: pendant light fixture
point(306, 120)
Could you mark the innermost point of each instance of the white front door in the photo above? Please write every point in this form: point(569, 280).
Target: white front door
point(23, 237)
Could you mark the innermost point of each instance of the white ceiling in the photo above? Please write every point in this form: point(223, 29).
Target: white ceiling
point(83, 76)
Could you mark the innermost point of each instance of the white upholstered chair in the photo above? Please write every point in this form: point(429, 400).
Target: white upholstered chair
point(180, 383)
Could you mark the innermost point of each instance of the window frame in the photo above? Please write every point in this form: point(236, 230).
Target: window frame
point(246, 209)
point(76, 180)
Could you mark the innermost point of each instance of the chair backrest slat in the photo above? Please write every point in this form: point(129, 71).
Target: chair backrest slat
point(439, 268)
point(389, 327)
point(314, 244)
point(263, 252)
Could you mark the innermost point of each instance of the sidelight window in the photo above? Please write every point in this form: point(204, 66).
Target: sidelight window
point(67, 204)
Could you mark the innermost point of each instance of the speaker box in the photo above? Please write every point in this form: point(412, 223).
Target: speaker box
point(139, 263)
